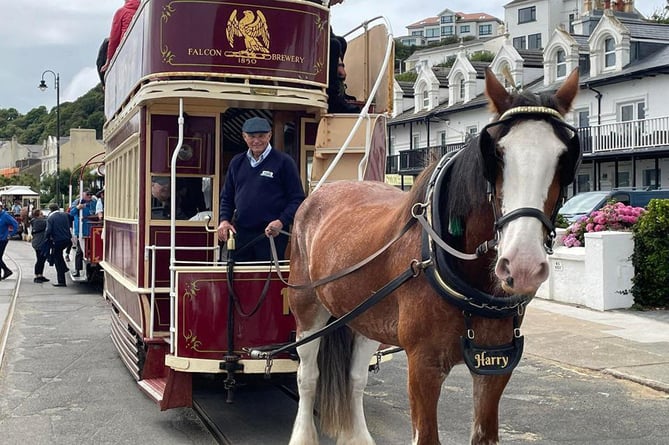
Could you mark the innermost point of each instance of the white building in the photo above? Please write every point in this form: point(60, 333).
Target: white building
point(621, 111)
point(449, 23)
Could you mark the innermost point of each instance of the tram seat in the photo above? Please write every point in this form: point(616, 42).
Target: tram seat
point(333, 130)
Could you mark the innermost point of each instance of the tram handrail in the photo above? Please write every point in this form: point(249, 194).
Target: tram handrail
point(153, 249)
point(173, 206)
point(364, 114)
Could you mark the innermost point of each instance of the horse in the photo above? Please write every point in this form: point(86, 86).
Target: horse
point(470, 267)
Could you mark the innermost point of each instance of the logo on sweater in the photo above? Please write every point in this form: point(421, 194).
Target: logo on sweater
point(267, 174)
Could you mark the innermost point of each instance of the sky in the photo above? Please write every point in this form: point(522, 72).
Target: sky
point(64, 36)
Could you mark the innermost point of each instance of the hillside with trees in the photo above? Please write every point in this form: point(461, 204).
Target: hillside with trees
point(35, 126)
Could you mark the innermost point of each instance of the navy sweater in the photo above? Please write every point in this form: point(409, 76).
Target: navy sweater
point(271, 190)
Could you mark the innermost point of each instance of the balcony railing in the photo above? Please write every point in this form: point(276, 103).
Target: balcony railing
point(629, 135)
point(619, 136)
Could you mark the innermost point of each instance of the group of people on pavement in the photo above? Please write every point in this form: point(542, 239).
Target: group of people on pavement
point(52, 236)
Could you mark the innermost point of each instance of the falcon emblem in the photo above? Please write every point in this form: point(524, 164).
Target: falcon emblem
point(252, 28)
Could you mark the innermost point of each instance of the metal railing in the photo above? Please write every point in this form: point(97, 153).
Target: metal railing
point(628, 135)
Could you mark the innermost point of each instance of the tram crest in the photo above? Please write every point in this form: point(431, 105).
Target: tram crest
point(255, 32)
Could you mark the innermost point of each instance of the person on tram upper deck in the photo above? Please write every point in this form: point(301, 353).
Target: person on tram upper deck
point(263, 191)
point(120, 24)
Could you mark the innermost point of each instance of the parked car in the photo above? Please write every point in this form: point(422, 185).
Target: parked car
point(587, 202)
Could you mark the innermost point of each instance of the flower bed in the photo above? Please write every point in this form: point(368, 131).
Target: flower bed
point(612, 217)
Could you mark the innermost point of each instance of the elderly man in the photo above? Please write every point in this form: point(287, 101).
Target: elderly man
point(263, 191)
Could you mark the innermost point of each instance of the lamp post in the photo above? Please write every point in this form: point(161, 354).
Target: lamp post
point(43, 86)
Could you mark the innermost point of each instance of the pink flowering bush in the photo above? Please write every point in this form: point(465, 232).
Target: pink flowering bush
point(613, 216)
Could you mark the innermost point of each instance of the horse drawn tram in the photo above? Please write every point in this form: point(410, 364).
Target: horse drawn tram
point(86, 255)
point(185, 78)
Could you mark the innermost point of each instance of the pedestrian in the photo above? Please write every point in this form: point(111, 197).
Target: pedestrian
point(263, 191)
point(58, 232)
point(82, 209)
point(7, 223)
point(38, 224)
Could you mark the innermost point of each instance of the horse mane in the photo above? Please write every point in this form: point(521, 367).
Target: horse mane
point(468, 190)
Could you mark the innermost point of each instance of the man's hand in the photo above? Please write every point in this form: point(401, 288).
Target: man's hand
point(223, 228)
point(273, 228)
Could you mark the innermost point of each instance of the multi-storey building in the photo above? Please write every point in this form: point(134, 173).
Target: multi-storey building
point(449, 24)
point(621, 112)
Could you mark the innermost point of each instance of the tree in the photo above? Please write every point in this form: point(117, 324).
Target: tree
point(39, 123)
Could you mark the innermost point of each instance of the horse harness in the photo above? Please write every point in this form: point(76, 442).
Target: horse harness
point(437, 255)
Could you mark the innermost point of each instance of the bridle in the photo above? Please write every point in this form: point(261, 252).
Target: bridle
point(442, 276)
point(568, 165)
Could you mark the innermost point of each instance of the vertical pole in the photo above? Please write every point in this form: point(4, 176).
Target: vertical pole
point(58, 197)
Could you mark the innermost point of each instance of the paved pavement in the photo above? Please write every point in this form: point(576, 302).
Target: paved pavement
point(63, 334)
point(61, 381)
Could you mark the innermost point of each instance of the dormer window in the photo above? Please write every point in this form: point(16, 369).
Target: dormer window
point(561, 64)
point(426, 100)
point(461, 93)
point(609, 53)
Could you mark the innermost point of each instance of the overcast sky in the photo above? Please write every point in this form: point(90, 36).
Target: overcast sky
point(64, 36)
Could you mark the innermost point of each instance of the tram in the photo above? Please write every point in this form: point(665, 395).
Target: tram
point(186, 76)
point(88, 267)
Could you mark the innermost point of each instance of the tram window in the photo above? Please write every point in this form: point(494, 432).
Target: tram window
point(193, 197)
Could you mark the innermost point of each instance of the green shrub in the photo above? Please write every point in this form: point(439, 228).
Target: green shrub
point(650, 285)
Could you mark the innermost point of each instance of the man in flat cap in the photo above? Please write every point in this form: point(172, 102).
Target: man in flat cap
point(263, 191)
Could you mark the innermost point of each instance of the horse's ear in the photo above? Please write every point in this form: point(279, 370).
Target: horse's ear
point(567, 92)
point(499, 98)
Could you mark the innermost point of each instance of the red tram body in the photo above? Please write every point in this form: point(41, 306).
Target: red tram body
point(182, 78)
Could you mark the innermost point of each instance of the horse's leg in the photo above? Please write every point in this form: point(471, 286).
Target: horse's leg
point(487, 393)
point(425, 379)
point(304, 429)
point(363, 348)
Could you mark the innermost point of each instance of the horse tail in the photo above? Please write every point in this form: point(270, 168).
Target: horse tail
point(334, 389)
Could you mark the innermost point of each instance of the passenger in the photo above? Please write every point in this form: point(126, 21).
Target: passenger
point(189, 199)
point(6, 221)
point(38, 224)
point(338, 100)
point(100, 205)
point(87, 206)
point(263, 191)
point(58, 233)
point(102, 60)
point(120, 23)
point(16, 209)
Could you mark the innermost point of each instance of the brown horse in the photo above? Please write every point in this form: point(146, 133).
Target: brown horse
point(455, 306)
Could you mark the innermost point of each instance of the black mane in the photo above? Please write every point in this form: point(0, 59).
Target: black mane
point(467, 188)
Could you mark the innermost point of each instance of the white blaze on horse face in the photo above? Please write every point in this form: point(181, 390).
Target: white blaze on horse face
point(531, 154)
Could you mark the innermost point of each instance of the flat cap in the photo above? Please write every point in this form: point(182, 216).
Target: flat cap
point(256, 125)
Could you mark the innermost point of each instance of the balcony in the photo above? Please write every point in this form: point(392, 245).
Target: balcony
point(412, 162)
point(621, 137)
point(625, 136)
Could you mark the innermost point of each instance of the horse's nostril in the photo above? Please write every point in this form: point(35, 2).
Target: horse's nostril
point(509, 281)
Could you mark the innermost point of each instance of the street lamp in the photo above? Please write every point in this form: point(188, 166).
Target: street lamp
point(43, 86)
